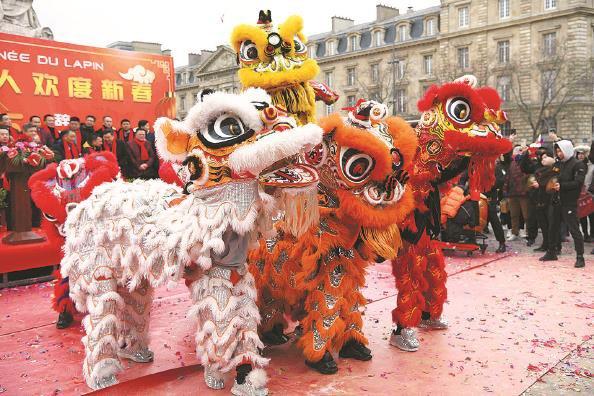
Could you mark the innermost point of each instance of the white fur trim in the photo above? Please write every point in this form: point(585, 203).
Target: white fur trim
point(274, 147)
point(258, 378)
point(218, 103)
point(161, 140)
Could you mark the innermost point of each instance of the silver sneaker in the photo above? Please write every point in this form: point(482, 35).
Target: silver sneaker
point(143, 355)
point(104, 382)
point(254, 384)
point(407, 340)
point(434, 324)
point(213, 378)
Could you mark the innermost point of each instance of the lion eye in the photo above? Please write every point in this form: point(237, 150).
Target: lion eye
point(356, 166)
point(300, 48)
point(458, 109)
point(248, 51)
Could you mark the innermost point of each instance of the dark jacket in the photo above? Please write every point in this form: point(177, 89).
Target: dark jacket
point(122, 156)
point(571, 179)
point(496, 192)
point(515, 181)
point(543, 174)
point(135, 162)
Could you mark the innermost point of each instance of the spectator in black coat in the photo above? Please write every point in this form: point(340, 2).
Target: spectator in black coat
point(569, 185)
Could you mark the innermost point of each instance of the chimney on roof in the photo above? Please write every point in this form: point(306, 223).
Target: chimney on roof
point(409, 10)
point(194, 59)
point(340, 23)
point(384, 12)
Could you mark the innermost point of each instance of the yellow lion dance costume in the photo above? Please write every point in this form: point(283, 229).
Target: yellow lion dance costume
point(275, 59)
point(317, 277)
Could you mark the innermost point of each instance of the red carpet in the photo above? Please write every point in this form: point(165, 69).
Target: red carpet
point(511, 317)
point(27, 256)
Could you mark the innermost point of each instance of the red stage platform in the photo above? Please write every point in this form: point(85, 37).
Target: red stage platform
point(27, 256)
point(512, 318)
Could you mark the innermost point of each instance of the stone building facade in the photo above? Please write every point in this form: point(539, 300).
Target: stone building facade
point(210, 69)
point(538, 53)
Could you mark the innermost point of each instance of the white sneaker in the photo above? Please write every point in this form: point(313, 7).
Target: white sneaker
point(509, 234)
point(512, 237)
point(523, 234)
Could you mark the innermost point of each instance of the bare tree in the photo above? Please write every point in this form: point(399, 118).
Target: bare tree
point(385, 83)
point(558, 83)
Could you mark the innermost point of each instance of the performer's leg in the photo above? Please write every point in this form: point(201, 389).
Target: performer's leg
point(61, 301)
point(408, 270)
point(224, 306)
point(135, 323)
point(322, 323)
point(352, 343)
point(102, 326)
point(436, 292)
point(270, 297)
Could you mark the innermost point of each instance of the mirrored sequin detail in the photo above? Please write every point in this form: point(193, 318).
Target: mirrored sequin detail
point(318, 341)
point(336, 276)
point(282, 259)
point(330, 300)
point(329, 320)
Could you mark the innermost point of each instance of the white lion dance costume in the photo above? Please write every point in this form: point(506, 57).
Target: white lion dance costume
point(129, 238)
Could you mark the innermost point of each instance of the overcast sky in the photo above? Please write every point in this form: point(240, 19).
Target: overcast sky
point(191, 25)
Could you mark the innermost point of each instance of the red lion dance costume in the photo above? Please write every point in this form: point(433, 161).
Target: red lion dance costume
point(458, 130)
point(317, 277)
point(54, 190)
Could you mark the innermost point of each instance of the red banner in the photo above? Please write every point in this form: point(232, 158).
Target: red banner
point(48, 77)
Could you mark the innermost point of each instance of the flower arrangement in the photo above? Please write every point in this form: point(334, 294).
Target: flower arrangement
point(29, 153)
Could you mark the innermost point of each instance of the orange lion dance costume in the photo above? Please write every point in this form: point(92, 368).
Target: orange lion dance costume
point(458, 130)
point(61, 186)
point(363, 164)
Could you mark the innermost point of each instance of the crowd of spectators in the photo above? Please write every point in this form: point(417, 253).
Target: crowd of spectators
point(542, 185)
point(133, 147)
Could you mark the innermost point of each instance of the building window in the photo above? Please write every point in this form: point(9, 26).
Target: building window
point(400, 105)
point(377, 38)
point(353, 43)
point(549, 78)
point(400, 69)
point(506, 128)
point(503, 51)
point(463, 17)
point(351, 101)
point(182, 102)
point(328, 78)
point(312, 51)
point(375, 73)
point(549, 43)
point(550, 4)
point(504, 88)
point(503, 9)
point(428, 64)
point(463, 58)
point(178, 78)
point(331, 50)
point(430, 28)
point(190, 78)
point(375, 96)
point(351, 76)
point(329, 109)
point(401, 32)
